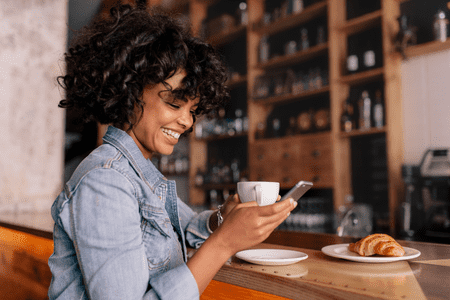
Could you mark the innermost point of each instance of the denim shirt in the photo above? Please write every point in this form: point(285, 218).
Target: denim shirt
point(121, 231)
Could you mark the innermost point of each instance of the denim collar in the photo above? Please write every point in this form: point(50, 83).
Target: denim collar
point(126, 145)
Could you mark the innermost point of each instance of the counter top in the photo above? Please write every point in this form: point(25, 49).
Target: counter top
point(36, 223)
point(318, 277)
point(324, 277)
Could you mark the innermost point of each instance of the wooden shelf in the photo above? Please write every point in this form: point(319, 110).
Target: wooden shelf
point(358, 133)
point(218, 186)
point(175, 174)
point(208, 2)
point(426, 48)
point(309, 13)
point(237, 81)
point(299, 56)
point(222, 137)
point(363, 77)
point(362, 23)
point(283, 99)
point(227, 36)
point(297, 137)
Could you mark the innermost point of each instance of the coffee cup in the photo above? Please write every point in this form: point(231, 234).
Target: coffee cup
point(263, 192)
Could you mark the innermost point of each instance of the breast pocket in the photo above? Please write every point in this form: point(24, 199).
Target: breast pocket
point(156, 228)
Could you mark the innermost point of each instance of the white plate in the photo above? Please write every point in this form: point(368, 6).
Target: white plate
point(271, 257)
point(341, 251)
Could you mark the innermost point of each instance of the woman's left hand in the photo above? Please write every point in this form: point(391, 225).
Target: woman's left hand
point(229, 204)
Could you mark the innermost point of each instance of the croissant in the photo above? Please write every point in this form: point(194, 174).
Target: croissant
point(381, 244)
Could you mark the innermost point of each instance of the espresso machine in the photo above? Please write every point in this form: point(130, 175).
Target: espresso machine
point(425, 214)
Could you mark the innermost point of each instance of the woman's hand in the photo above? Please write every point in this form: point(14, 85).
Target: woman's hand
point(229, 204)
point(244, 225)
point(247, 224)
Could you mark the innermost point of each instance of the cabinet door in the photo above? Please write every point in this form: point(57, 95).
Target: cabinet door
point(316, 160)
point(263, 158)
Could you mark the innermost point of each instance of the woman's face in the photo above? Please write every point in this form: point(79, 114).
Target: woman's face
point(163, 119)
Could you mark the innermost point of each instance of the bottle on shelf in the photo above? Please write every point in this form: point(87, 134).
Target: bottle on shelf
point(304, 40)
point(242, 13)
point(171, 167)
point(199, 177)
point(221, 124)
point(214, 199)
point(235, 170)
point(440, 26)
point(298, 85)
point(352, 62)
point(318, 80)
point(179, 166)
point(264, 49)
point(321, 38)
point(292, 128)
point(198, 129)
point(365, 110)
point(276, 128)
point(347, 117)
point(290, 47)
point(378, 111)
point(297, 6)
point(245, 124)
point(369, 56)
point(260, 131)
point(305, 121)
point(238, 122)
point(353, 59)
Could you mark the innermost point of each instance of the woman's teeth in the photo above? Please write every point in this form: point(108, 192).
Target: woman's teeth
point(171, 133)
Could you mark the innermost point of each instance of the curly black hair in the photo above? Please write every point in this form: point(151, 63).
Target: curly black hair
point(111, 61)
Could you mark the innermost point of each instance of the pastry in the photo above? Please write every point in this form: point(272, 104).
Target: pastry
point(381, 244)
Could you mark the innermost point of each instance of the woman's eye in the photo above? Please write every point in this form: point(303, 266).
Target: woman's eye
point(174, 105)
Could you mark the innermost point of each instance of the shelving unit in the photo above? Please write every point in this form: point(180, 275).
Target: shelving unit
point(390, 75)
point(324, 156)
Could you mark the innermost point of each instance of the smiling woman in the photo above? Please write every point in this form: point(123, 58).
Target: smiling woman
point(120, 230)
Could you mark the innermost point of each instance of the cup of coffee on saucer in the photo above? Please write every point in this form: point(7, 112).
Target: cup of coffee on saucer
point(263, 192)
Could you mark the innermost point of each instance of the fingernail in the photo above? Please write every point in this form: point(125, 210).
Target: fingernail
point(294, 202)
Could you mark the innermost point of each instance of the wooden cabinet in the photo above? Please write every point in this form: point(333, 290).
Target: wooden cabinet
point(291, 159)
point(324, 157)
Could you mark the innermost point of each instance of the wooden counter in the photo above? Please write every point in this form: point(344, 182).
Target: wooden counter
point(324, 277)
point(24, 273)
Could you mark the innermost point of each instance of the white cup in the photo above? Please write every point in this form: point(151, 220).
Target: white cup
point(263, 192)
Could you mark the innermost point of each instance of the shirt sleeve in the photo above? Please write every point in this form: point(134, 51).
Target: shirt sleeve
point(104, 224)
point(195, 226)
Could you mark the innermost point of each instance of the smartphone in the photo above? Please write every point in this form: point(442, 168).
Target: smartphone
point(298, 190)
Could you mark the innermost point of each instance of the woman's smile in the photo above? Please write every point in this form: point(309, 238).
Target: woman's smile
point(171, 133)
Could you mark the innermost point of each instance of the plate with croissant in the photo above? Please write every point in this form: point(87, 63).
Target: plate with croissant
point(374, 248)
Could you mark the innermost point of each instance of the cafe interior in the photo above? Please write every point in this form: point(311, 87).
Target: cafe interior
point(350, 95)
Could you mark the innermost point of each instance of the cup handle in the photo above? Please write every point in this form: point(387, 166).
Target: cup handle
point(258, 191)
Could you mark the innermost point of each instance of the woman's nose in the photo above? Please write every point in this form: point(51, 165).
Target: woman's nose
point(186, 119)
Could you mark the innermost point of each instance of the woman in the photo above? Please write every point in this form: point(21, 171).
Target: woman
point(120, 230)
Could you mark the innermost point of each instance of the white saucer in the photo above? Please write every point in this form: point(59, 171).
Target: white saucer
point(341, 251)
point(271, 257)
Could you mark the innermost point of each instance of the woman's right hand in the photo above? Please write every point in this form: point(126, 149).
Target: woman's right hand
point(248, 224)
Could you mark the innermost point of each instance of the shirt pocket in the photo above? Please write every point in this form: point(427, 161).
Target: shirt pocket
point(156, 228)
